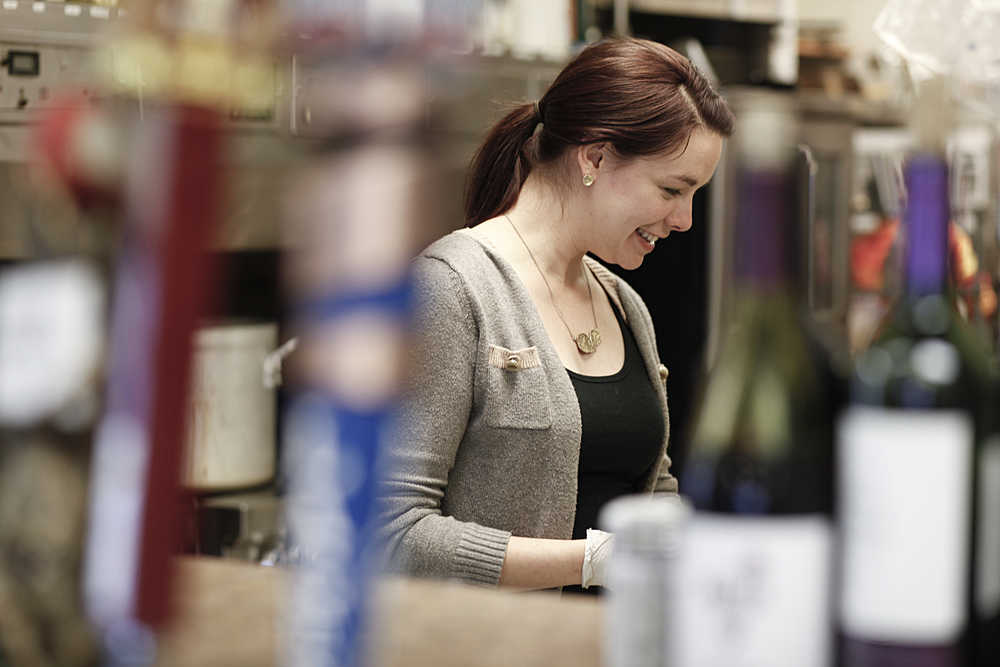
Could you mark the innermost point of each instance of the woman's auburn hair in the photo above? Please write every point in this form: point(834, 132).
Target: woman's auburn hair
point(641, 97)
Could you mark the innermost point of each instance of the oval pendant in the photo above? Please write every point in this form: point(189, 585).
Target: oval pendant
point(584, 344)
point(595, 338)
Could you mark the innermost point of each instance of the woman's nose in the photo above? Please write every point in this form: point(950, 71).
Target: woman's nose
point(680, 218)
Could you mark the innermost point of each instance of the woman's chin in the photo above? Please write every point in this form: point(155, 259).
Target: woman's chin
point(628, 261)
point(631, 263)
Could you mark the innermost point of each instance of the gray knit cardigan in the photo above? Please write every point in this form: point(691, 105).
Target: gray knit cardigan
point(489, 441)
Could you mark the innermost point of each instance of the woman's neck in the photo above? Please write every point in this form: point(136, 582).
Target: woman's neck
point(552, 231)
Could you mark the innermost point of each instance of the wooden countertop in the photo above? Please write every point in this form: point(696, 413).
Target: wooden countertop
point(225, 614)
point(229, 613)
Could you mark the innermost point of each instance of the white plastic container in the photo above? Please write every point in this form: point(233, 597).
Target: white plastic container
point(231, 420)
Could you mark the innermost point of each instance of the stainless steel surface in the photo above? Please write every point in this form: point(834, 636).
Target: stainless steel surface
point(720, 203)
point(63, 71)
point(828, 141)
point(65, 36)
point(259, 149)
point(13, 143)
point(62, 35)
point(67, 23)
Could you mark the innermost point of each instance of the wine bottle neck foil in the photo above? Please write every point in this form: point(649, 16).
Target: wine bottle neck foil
point(925, 221)
point(765, 234)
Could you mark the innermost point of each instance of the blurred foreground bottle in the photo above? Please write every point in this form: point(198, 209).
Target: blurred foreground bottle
point(754, 574)
point(637, 603)
point(919, 488)
point(357, 211)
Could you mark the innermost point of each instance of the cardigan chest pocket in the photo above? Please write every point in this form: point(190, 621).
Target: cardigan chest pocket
point(518, 390)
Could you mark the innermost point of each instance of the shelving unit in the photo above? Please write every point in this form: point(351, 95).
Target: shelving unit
point(756, 11)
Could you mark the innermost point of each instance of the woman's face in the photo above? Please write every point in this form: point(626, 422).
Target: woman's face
point(636, 202)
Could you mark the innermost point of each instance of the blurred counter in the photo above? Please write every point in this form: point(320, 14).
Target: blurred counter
point(228, 613)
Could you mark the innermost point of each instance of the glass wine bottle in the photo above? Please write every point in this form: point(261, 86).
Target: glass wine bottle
point(754, 571)
point(912, 473)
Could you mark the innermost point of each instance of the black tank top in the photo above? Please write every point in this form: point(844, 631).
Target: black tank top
point(622, 433)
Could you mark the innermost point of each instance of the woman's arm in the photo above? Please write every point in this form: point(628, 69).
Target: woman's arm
point(539, 563)
point(420, 540)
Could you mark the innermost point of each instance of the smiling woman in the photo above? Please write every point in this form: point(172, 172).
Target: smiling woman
point(538, 395)
point(635, 201)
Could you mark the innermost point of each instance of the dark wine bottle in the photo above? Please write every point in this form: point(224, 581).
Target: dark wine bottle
point(754, 569)
point(910, 460)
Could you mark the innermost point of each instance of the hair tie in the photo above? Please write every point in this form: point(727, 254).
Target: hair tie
point(538, 114)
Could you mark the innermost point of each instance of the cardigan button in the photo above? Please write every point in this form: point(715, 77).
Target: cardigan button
point(664, 373)
point(513, 362)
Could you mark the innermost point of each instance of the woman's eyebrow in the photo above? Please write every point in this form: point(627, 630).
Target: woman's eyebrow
point(687, 179)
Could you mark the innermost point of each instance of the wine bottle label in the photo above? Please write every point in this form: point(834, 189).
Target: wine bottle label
point(752, 592)
point(988, 527)
point(904, 508)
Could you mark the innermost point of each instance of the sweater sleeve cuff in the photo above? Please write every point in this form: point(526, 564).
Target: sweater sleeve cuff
point(480, 555)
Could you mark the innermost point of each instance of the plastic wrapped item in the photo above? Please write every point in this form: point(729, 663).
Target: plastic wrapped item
point(50, 319)
point(954, 37)
point(526, 29)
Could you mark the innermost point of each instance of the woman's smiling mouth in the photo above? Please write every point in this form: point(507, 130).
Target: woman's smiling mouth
point(647, 238)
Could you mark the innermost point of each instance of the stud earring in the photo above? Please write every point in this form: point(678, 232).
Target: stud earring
point(588, 180)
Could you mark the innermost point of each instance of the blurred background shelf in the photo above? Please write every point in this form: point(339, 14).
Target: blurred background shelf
point(756, 11)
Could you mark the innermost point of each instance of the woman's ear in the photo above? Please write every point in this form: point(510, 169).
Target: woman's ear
point(591, 157)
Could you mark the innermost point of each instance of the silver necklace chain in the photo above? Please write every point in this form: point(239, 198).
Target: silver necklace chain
point(586, 343)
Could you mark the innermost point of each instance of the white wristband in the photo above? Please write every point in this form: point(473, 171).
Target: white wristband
point(596, 554)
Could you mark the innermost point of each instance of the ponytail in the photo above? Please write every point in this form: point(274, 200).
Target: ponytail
point(501, 165)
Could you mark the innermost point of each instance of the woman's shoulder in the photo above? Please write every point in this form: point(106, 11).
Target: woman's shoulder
point(456, 245)
point(462, 252)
